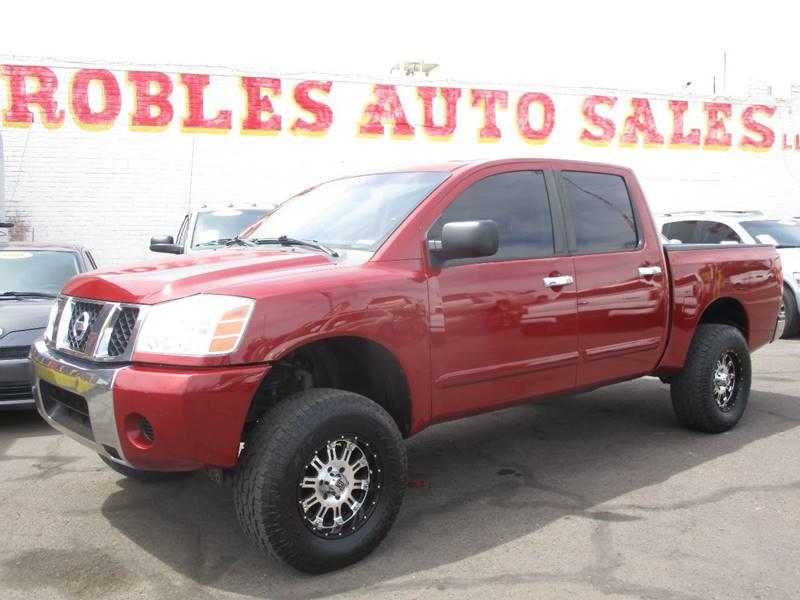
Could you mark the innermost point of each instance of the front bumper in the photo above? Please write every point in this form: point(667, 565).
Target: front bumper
point(194, 417)
point(15, 384)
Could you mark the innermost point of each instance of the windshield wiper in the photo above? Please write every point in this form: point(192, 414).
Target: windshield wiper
point(238, 240)
point(28, 294)
point(788, 246)
point(287, 241)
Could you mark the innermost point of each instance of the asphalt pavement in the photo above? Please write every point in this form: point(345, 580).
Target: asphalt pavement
point(599, 495)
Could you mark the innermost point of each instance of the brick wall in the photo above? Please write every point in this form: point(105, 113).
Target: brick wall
point(112, 189)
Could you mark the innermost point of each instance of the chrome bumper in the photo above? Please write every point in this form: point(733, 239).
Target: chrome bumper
point(91, 382)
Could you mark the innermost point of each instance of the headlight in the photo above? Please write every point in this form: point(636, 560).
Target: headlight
point(51, 323)
point(203, 325)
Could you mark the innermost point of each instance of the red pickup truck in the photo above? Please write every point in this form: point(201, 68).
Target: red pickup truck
point(367, 308)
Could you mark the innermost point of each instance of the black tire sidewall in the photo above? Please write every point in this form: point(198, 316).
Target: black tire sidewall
point(277, 504)
point(733, 342)
point(792, 324)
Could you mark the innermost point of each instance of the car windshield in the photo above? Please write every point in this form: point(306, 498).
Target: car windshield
point(356, 213)
point(35, 272)
point(782, 233)
point(214, 228)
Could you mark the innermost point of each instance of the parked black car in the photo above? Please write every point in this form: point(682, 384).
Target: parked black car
point(31, 276)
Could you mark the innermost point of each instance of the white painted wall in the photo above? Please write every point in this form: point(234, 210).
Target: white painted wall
point(111, 190)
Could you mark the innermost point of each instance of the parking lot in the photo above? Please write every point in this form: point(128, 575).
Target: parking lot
point(599, 495)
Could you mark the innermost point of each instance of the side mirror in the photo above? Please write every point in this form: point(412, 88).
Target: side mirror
point(467, 239)
point(166, 244)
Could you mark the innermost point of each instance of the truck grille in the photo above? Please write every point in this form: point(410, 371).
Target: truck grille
point(122, 331)
point(14, 352)
point(96, 330)
point(80, 309)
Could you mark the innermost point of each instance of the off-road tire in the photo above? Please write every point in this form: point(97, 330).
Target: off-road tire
point(692, 390)
point(274, 459)
point(145, 476)
point(792, 326)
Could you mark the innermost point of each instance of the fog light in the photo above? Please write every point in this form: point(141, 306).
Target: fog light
point(139, 430)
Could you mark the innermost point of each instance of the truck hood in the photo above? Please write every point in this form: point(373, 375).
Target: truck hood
point(238, 271)
point(23, 315)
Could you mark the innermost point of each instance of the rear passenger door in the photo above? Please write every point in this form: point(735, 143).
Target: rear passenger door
point(503, 327)
point(620, 275)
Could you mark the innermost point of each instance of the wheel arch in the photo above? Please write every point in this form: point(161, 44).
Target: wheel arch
point(353, 363)
point(727, 311)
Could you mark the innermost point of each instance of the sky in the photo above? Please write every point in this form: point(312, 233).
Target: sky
point(648, 46)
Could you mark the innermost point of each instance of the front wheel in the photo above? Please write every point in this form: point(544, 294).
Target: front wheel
point(711, 392)
point(321, 479)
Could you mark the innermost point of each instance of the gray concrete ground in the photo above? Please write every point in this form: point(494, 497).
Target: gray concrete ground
point(600, 495)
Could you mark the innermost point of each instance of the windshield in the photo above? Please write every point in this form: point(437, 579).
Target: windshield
point(214, 228)
point(35, 271)
point(357, 213)
point(781, 233)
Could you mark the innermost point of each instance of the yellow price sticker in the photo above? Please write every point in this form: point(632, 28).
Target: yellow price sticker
point(9, 255)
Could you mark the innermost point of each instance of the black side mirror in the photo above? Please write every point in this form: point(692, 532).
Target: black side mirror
point(467, 239)
point(166, 244)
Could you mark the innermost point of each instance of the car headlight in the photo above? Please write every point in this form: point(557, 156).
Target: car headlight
point(49, 332)
point(203, 325)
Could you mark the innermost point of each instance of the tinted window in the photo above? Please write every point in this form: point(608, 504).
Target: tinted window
point(681, 230)
point(35, 271)
point(601, 212)
point(784, 234)
point(712, 232)
point(518, 203)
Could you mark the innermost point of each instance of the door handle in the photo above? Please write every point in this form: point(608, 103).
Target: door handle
point(552, 282)
point(649, 271)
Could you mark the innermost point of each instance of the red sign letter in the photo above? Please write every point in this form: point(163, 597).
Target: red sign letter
point(679, 108)
point(490, 99)
point(523, 117)
point(145, 99)
point(716, 135)
point(18, 113)
point(451, 96)
point(606, 125)
point(257, 105)
point(109, 92)
point(387, 106)
point(196, 119)
point(641, 120)
point(766, 133)
point(323, 114)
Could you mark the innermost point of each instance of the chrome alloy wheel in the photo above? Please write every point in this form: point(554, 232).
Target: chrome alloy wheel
point(726, 376)
point(339, 487)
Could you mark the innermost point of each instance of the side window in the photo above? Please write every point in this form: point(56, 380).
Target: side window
point(519, 204)
point(713, 232)
point(601, 211)
point(182, 231)
point(681, 230)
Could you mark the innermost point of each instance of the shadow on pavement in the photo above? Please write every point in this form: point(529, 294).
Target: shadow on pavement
point(483, 482)
point(21, 423)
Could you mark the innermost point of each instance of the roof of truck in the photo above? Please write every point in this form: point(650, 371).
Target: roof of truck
point(43, 246)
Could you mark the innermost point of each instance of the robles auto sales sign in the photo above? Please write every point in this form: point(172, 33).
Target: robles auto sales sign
point(93, 99)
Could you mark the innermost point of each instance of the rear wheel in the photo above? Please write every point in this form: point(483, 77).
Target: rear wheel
point(146, 476)
point(711, 392)
point(321, 479)
point(792, 327)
